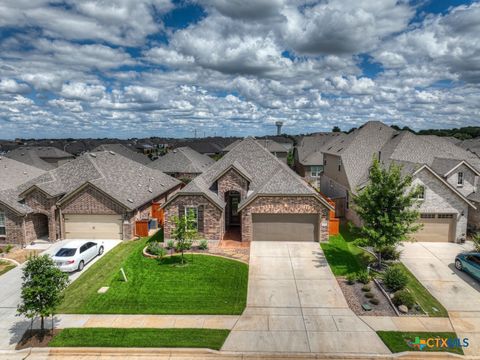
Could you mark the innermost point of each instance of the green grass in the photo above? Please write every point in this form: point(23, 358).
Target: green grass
point(157, 237)
point(108, 337)
point(206, 285)
point(343, 256)
point(423, 296)
point(396, 341)
point(6, 266)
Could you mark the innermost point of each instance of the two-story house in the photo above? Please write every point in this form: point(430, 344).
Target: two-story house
point(447, 174)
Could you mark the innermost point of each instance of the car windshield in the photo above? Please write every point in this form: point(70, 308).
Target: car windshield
point(64, 252)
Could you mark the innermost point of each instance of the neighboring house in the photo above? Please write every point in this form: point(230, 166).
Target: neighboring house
point(182, 163)
point(42, 157)
point(251, 191)
point(96, 196)
point(273, 147)
point(308, 157)
point(125, 152)
point(205, 147)
point(472, 145)
point(14, 173)
point(146, 149)
point(447, 174)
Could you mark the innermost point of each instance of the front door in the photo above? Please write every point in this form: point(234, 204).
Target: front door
point(234, 200)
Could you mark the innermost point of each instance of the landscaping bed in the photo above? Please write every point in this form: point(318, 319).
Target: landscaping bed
point(120, 337)
point(205, 285)
point(398, 341)
point(6, 266)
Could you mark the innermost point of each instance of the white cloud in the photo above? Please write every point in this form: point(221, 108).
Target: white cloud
point(12, 86)
point(81, 91)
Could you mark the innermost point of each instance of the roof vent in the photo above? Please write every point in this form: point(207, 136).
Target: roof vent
point(111, 152)
point(93, 155)
point(130, 200)
point(150, 190)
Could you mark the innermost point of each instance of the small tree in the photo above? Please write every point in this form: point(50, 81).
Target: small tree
point(336, 129)
point(42, 288)
point(387, 207)
point(185, 231)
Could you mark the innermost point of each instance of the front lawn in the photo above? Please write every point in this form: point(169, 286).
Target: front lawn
point(6, 266)
point(398, 341)
point(207, 285)
point(111, 337)
point(343, 256)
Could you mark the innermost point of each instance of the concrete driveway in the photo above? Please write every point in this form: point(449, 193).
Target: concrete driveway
point(12, 327)
point(295, 305)
point(433, 265)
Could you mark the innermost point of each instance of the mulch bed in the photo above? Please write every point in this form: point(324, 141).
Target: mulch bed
point(356, 297)
point(36, 338)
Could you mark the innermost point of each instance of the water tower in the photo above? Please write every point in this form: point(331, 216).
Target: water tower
point(279, 125)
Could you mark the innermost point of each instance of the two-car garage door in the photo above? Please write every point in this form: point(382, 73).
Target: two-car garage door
point(285, 227)
point(436, 228)
point(93, 227)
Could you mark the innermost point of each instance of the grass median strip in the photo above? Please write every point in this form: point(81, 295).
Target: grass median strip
point(398, 341)
point(120, 337)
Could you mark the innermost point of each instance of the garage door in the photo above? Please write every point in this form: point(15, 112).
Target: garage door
point(93, 227)
point(285, 227)
point(436, 228)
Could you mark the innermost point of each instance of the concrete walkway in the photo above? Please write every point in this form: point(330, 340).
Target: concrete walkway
point(148, 321)
point(408, 323)
point(433, 265)
point(296, 306)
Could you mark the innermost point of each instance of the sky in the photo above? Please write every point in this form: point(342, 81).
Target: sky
point(141, 68)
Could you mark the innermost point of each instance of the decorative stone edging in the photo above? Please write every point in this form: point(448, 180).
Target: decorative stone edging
point(386, 295)
point(15, 262)
point(146, 254)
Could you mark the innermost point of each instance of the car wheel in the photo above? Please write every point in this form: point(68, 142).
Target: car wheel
point(458, 265)
point(100, 251)
point(81, 265)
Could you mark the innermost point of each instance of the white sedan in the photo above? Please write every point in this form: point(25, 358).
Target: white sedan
point(75, 254)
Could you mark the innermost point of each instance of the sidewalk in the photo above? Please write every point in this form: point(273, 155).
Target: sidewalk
point(147, 321)
point(408, 323)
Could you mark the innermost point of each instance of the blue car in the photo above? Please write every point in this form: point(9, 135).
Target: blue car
point(469, 262)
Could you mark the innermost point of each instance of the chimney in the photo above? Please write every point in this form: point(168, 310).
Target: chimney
point(279, 125)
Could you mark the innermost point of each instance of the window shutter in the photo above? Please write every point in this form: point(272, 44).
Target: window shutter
point(181, 210)
point(200, 218)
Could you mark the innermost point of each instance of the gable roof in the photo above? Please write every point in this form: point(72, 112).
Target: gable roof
point(268, 175)
point(129, 183)
point(34, 155)
point(14, 173)
point(201, 146)
point(182, 160)
point(270, 145)
point(472, 145)
point(125, 152)
point(309, 148)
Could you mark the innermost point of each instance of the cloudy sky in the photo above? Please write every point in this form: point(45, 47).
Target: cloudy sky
point(125, 68)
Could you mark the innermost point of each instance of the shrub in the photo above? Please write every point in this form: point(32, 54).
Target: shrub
point(363, 277)
point(170, 244)
point(403, 297)
point(366, 288)
point(395, 278)
point(476, 242)
point(156, 249)
point(369, 295)
point(1, 250)
point(390, 253)
point(351, 278)
point(203, 245)
point(8, 248)
point(374, 301)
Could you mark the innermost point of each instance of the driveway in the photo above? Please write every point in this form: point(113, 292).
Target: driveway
point(12, 327)
point(433, 265)
point(295, 305)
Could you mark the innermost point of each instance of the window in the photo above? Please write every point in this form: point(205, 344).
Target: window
point(445, 216)
point(421, 194)
point(194, 210)
point(427, 216)
point(347, 200)
point(339, 164)
point(460, 179)
point(2, 223)
point(324, 162)
point(331, 184)
point(316, 171)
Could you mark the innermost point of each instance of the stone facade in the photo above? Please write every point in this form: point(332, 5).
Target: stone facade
point(474, 217)
point(40, 203)
point(232, 181)
point(468, 186)
point(90, 201)
point(213, 217)
point(284, 205)
point(13, 227)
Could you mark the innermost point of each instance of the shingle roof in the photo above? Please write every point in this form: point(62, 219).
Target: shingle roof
point(124, 151)
point(270, 145)
point(472, 145)
point(182, 160)
point(269, 176)
point(201, 146)
point(128, 182)
point(14, 173)
point(309, 148)
point(34, 155)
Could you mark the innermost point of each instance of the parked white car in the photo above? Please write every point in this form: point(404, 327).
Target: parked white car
point(75, 254)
